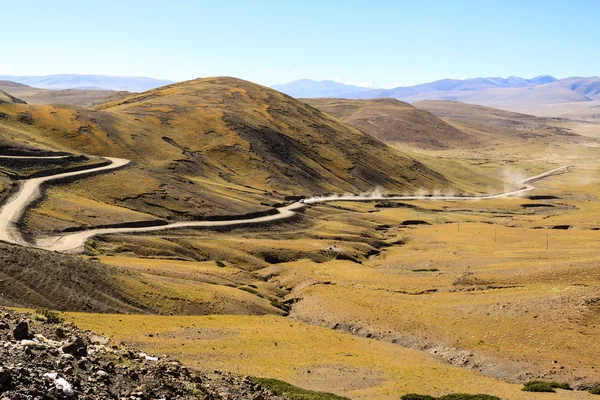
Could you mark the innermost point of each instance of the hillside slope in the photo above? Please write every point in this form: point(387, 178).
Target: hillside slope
point(7, 98)
point(395, 122)
point(207, 147)
point(35, 278)
point(511, 124)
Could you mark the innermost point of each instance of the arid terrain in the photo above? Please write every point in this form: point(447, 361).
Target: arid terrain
point(457, 289)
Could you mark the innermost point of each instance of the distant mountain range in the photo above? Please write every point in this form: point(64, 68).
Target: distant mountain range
point(307, 88)
point(311, 89)
point(512, 93)
point(89, 82)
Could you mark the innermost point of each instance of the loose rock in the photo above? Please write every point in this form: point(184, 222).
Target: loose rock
point(21, 331)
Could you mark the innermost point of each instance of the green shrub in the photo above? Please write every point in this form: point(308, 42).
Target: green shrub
point(284, 389)
point(538, 387)
point(541, 386)
point(453, 396)
point(47, 316)
point(463, 396)
point(413, 396)
point(425, 270)
point(595, 390)
point(220, 263)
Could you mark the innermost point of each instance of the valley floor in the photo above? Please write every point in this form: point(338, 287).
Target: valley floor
point(378, 299)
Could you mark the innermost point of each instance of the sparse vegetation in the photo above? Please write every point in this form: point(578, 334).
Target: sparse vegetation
point(291, 392)
point(595, 390)
point(542, 386)
point(48, 316)
point(453, 396)
point(425, 270)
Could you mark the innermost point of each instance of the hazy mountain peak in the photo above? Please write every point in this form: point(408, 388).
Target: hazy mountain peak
point(443, 89)
point(312, 88)
point(95, 82)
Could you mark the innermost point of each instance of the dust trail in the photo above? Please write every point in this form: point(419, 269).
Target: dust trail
point(29, 190)
point(525, 183)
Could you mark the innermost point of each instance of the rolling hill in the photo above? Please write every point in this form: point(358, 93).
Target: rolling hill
point(395, 122)
point(443, 125)
point(206, 147)
point(504, 129)
point(508, 120)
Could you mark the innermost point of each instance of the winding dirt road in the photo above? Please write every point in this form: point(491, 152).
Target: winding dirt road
point(29, 191)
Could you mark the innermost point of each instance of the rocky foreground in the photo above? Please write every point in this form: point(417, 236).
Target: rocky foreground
point(41, 358)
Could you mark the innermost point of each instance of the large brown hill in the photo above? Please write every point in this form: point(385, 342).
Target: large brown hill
point(212, 146)
point(396, 122)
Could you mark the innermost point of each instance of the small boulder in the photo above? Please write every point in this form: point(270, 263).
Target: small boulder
point(100, 340)
point(102, 374)
point(21, 331)
point(5, 376)
point(76, 347)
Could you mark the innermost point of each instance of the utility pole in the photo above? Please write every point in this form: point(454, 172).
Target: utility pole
point(495, 236)
point(546, 242)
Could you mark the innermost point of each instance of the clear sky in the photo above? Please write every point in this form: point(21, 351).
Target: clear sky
point(375, 42)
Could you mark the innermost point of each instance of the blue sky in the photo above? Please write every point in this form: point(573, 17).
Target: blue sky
point(371, 43)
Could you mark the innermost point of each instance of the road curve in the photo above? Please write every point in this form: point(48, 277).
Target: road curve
point(74, 242)
point(29, 191)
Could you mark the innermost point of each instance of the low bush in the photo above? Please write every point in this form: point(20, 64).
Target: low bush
point(463, 396)
point(542, 386)
point(595, 390)
point(291, 392)
point(47, 316)
point(453, 396)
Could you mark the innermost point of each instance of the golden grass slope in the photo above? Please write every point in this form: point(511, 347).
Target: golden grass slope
point(248, 132)
point(215, 146)
point(311, 357)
